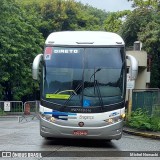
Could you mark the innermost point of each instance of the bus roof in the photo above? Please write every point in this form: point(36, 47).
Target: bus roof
point(84, 38)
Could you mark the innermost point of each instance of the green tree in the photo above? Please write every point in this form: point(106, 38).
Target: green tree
point(145, 3)
point(59, 15)
point(20, 41)
point(143, 24)
point(114, 21)
point(24, 26)
point(138, 19)
point(150, 36)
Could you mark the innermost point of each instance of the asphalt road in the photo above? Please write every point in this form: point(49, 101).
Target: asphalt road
point(25, 136)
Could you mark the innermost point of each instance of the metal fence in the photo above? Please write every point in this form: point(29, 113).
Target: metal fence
point(24, 111)
point(31, 106)
point(11, 107)
point(148, 100)
point(30, 111)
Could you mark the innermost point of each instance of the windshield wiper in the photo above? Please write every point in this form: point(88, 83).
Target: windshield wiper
point(98, 92)
point(96, 85)
point(77, 88)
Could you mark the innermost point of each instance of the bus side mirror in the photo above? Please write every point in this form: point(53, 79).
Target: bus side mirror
point(36, 66)
point(134, 67)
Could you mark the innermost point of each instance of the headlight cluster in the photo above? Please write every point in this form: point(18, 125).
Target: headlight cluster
point(115, 119)
point(48, 118)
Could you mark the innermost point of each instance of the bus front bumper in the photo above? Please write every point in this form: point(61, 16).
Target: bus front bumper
point(108, 132)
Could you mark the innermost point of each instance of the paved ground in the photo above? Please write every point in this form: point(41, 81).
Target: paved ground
point(24, 136)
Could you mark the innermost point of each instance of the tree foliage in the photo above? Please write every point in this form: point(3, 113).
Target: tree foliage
point(150, 4)
point(143, 24)
point(138, 19)
point(24, 25)
point(59, 15)
point(20, 41)
point(150, 36)
point(114, 20)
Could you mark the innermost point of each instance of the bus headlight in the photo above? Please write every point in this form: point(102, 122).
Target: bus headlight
point(113, 120)
point(48, 118)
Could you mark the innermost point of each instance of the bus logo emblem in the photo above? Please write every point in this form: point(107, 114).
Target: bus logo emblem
point(81, 124)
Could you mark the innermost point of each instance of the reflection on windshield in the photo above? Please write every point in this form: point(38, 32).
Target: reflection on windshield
point(108, 81)
point(92, 76)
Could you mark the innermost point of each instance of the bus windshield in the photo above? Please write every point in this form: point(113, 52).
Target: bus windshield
point(83, 76)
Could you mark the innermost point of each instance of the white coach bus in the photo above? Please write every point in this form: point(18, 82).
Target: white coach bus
point(82, 78)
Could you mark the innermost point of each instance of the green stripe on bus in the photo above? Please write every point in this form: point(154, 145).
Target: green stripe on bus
point(57, 96)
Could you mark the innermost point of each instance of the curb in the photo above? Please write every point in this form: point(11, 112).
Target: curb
point(143, 134)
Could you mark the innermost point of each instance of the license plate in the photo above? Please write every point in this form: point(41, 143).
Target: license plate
point(80, 133)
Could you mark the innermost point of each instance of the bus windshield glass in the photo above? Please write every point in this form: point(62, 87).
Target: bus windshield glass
point(83, 76)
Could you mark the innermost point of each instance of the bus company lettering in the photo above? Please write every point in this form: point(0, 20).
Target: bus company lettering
point(86, 117)
point(66, 51)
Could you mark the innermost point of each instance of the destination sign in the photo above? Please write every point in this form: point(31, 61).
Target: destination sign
point(66, 51)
